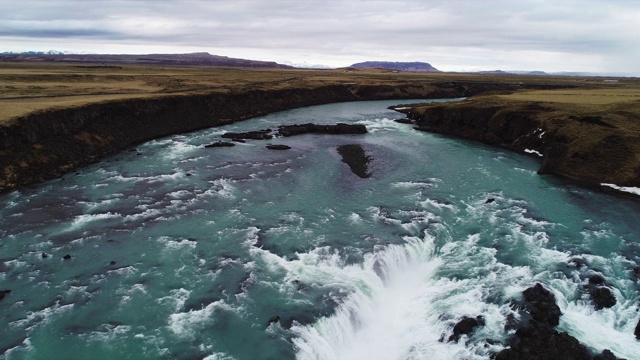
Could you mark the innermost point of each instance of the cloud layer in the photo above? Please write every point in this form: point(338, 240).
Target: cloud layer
point(456, 35)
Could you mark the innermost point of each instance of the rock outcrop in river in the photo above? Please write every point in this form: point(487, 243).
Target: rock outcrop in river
point(48, 144)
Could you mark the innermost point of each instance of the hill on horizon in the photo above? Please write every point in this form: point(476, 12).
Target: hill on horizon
point(192, 59)
point(415, 66)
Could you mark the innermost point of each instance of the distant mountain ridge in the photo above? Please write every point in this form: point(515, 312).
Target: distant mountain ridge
point(415, 66)
point(194, 59)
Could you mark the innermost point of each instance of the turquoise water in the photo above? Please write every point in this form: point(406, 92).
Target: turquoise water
point(182, 252)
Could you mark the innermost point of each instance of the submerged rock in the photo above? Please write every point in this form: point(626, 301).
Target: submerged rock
point(273, 319)
point(337, 129)
point(465, 327)
point(637, 331)
point(405, 121)
point(253, 135)
point(67, 257)
point(220, 144)
point(278, 147)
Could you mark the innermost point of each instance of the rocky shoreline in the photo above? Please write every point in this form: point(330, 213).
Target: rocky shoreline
point(592, 150)
point(48, 144)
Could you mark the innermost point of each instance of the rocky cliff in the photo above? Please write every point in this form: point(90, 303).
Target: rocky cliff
point(587, 148)
point(48, 144)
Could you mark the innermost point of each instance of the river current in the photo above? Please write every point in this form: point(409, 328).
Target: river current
point(177, 251)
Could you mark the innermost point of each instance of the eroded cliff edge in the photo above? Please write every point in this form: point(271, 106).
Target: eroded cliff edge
point(586, 146)
point(48, 144)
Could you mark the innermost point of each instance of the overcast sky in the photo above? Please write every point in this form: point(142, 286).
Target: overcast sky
point(601, 36)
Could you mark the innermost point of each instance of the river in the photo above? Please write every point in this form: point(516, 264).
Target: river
point(177, 251)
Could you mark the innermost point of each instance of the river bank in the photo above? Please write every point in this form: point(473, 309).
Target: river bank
point(594, 145)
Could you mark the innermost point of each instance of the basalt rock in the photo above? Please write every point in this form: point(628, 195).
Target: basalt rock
point(540, 303)
point(220, 144)
point(357, 159)
point(600, 295)
point(588, 149)
point(337, 129)
point(465, 327)
point(278, 147)
point(253, 135)
point(542, 342)
point(538, 338)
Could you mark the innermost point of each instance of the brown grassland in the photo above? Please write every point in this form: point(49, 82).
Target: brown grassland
point(597, 118)
point(30, 87)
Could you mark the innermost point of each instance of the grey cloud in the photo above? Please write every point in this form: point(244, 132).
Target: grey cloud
point(450, 31)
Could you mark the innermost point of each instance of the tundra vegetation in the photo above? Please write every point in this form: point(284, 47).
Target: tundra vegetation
point(590, 123)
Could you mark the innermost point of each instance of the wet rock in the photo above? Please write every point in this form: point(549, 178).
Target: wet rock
point(538, 339)
point(465, 327)
point(577, 262)
point(600, 294)
point(238, 140)
point(273, 319)
point(220, 144)
point(596, 279)
point(112, 262)
point(606, 354)
point(253, 135)
point(357, 159)
point(4, 293)
point(67, 257)
point(337, 129)
point(602, 298)
point(490, 200)
point(278, 147)
point(542, 342)
point(540, 303)
point(637, 331)
point(404, 121)
point(44, 255)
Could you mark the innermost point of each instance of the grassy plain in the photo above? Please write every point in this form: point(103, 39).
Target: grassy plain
point(30, 87)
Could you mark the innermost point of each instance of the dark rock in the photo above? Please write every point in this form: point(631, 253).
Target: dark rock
point(490, 200)
point(355, 156)
point(44, 255)
point(606, 354)
point(113, 262)
point(405, 121)
point(238, 140)
point(637, 331)
point(188, 174)
point(337, 129)
point(578, 262)
point(541, 305)
point(220, 144)
point(543, 342)
point(4, 293)
point(278, 147)
point(465, 327)
point(600, 295)
point(273, 319)
point(67, 257)
point(253, 135)
point(511, 323)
